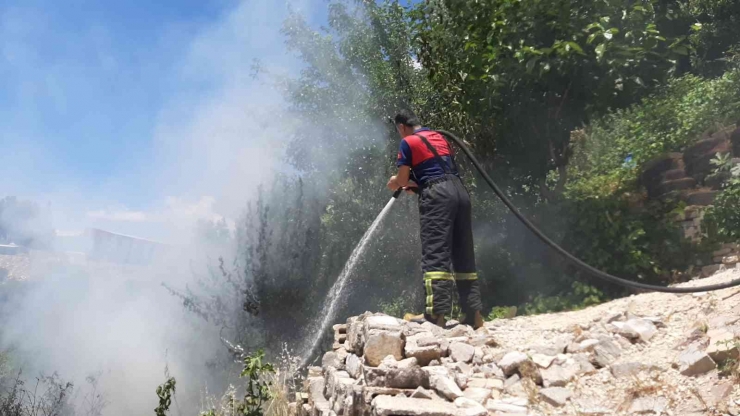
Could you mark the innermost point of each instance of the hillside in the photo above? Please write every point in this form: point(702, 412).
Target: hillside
point(650, 353)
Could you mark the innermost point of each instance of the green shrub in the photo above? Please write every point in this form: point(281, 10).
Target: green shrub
point(668, 121)
point(580, 296)
point(724, 216)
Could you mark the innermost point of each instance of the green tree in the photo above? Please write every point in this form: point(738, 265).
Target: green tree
point(529, 72)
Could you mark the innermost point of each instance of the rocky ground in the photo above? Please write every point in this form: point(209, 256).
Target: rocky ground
point(15, 267)
point(651, 353)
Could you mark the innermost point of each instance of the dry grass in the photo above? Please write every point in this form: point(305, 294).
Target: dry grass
point(650, 387)
point(283, 383)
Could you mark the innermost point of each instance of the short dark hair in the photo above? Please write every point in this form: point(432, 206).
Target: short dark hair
point(407, 118)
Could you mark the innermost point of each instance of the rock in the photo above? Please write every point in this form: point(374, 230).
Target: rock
point(543, 361)
point(381, 344)
point(460, 352)
point(606, 352)
point(440, 381)
point(425, 339)
point(381, 321)
point(627, 369)
point(315, 372)
point(583, 364)
point(730, 260)
point(408, 363)
point(434, 329)
point(353, 366)
point(556, 396)
point(722, 252)
point(486, 383)
point(697, 157)
point(709, 270)
point(374, 377)
point(316, 391)
point(559, 376)
point(531, 371)
point(460, 331)
point(516, 406)
point(331, 359)
point(649, 405)
point(478, 394)
point(355, 337)
point(422, 393)
point(675, 185)
point(693, 362)
point(614, 316)
point(424, 347)
point(511, 361)
point(492, 370)
point(700, 197)
point(723, 345)
point(511, 381)
point(585, 345)
point(720, 393)
point(636, 329)
point(406, 406)
point(408, 378)
point(388, 363)
point(483, 340)
point(470, 407)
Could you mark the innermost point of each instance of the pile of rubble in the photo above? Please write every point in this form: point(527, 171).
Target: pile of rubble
point(728, 256)
point(646, 354)
point(15, 267)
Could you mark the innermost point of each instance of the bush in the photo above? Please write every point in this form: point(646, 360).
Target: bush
point(612, 227)
point(668, 121)
point(724, 216)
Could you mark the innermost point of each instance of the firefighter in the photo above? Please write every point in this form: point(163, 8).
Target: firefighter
point(426, 164)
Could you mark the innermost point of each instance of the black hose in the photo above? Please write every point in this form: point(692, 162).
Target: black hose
point(571, 258)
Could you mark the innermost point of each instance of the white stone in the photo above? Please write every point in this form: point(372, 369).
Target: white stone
point(556, 396)
point(406, 406)
point(501, 405)
point(478, 394)
point(422, 393)
point(486, 383)
point(380, 344)
point(693, 362)
point(444, 386)
point(511, 362)
point(353, 365)
point(543, 361)
point(723, 345)
point(559, 376)
point(470, 407)
point(461, 352)
point(649, 405)
point(381, 321)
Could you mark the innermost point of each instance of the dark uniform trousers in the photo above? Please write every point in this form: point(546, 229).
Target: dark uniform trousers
point(448, 256)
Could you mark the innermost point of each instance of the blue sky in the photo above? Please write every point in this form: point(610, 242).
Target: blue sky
point(122, 113)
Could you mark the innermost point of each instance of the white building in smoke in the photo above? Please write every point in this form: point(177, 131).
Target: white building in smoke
point(104, 246)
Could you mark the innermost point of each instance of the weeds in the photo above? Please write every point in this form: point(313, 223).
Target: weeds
point(731, 366)
point(47, 398)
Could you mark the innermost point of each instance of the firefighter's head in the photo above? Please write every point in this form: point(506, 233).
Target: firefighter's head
point(406, 122)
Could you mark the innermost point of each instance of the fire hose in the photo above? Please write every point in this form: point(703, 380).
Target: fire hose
point(562, 252)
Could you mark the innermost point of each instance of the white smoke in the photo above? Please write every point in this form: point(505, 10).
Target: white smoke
point(216, 140)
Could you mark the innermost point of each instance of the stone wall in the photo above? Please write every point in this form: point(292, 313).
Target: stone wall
point(686, 176)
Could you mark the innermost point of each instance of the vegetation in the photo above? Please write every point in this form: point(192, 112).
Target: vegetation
point(564, 101)
point(724, 216)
